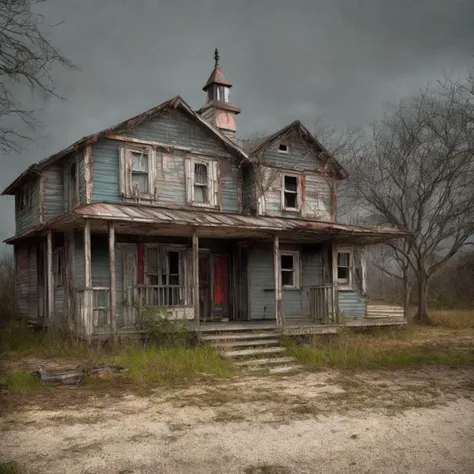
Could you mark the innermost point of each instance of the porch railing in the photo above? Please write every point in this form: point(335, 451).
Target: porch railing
point(160, 295)
point(321, 303)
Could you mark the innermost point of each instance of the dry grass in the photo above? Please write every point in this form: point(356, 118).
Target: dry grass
point(453, 319)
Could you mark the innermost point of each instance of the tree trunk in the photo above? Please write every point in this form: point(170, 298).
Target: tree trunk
point(422, 311)
point(406, 296)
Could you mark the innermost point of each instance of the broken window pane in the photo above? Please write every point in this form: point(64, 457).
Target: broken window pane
point(343, 273)
point(291, 183)
point(287, 278)
point(287, 262)
point(343, 259)
point(200, 174)
point(290, 200)
point(140, 182)
point(139, 161)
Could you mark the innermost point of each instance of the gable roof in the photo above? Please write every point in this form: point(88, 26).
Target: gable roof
point(325, 156)
point(217, 77)
point(129, 123)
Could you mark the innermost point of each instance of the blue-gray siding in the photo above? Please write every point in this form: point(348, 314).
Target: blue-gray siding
point(352, 304)
point(53, 188)
point(261, 283)
point(30, 217)
point(173, 129)
point(26, 281)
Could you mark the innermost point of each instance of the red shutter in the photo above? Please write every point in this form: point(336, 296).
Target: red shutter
point(221, 279)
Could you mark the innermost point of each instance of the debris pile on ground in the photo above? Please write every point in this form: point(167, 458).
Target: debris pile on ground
point(77, 375)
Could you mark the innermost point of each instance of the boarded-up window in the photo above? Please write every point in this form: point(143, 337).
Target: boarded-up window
point(344, 266)
point(289, 269)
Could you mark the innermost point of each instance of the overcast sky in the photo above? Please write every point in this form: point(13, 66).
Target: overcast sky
point(336, 59)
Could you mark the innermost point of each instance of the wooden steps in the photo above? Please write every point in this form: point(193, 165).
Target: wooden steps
point(253, 351)
point(379, 311)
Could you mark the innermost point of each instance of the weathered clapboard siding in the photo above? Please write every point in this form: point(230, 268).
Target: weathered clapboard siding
point(317, 200)
point(249, 191)
point(261, 283)
point(79, 260)
point(29, 217)
point(53, 189)
point(352, 304)
point(82, 179)
point(59, 305)
point(26, 280)
point(170, 183)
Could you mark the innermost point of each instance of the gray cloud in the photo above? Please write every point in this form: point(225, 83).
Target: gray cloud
point(335, 59)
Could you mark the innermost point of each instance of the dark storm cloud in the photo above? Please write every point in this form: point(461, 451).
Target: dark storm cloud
point(339, 60)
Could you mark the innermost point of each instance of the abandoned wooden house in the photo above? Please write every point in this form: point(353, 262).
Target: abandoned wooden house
point(168, 210)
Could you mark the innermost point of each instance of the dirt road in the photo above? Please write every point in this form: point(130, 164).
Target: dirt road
point(392, 422)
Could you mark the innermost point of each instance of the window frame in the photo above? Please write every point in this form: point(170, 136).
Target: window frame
point(162, 267)
point(283, 152)
point(212, 181)
point(24, 198)
point(345, 282)
point(298, 191)
point(296, 269)
point(127, 189)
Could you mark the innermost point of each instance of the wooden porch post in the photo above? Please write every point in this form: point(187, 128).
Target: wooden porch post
point(88, 297)
point(276, 271)
point(196, 279)
point(112, 304)
point(335, 312)
point(49, 273)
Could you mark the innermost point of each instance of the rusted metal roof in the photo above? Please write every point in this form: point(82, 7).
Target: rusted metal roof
point(227, 223)
point(217, 77)
point(127, 124)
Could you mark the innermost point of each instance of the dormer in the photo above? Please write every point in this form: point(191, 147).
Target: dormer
point(218, 110)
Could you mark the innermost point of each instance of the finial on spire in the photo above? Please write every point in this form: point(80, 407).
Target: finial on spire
point(216, 57)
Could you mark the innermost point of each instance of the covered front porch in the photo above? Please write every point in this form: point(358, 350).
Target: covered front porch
point(211, 270)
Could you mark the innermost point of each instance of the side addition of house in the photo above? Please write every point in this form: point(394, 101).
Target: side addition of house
point(167, 209)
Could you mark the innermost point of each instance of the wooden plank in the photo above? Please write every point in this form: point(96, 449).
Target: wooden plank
point(88, 323)
point(112, 304)
point(87, 173)
point(335, 310)
point(276, 271)
point(49, 273)
point(196, 278)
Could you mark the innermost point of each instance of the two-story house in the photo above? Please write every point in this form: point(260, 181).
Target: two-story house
point(166, 209)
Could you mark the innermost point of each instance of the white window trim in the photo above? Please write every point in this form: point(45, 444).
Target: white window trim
point(345, 283)
point(298, 192)
point(212, 181)
point(126, 183)
point(283, 152)
point(296, 269)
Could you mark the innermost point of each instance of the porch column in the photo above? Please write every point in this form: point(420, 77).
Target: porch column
point(335, 310)
point(112, 304)
point(49, 273)
point(88, 297)
point(196, 279)
point(276, 271)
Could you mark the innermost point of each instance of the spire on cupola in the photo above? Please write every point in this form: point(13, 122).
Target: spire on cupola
point(217, 109)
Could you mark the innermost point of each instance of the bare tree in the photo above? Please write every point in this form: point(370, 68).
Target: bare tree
point(26, 59)
point(417, 173)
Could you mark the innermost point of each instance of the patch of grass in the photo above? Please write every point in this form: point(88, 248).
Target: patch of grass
point(150, 364)
point(21, 382)
point(378, 350)
point(11, 467)
point(453, 319)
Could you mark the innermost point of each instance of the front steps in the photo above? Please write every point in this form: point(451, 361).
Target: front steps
point(253, 351)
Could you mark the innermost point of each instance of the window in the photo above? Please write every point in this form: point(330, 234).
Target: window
point(344, 258)
point(201, 182)
point(24, 198)
point(220, 93)
point(137, 172)
point(58, 267)
point(73, 184)
point(290, 198)
point(289, 268)
point(283, 148)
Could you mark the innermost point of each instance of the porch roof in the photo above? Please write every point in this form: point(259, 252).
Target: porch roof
point(148, 220)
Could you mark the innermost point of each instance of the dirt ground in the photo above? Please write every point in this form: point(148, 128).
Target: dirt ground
point(374, 422)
